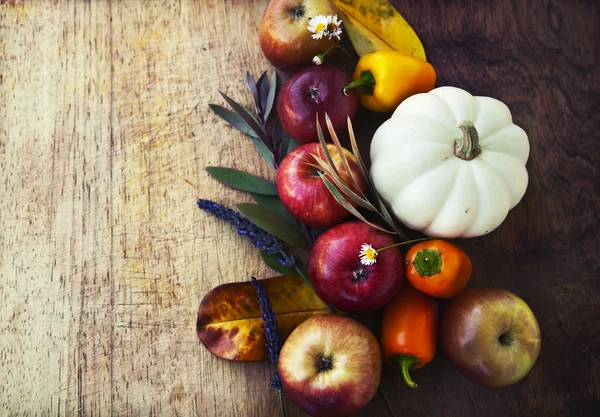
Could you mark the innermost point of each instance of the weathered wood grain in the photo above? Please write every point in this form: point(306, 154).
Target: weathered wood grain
point(104, 257)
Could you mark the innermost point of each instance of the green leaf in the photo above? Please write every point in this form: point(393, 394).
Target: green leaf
point(271, 96)
point(263, 91)
point(273, 223)
point(273, 203)
point(252, 88)
point(248, 117)
point(316, 232)
point(292, 145)
point(304, 269)
point(232, 118)
point(235, 120)
point(263, 150)
point(273, 263)
point(242, 180)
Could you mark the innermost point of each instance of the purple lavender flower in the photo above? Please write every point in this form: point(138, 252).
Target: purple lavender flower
point(271, 331)
point(259, 238)
point(287, 260)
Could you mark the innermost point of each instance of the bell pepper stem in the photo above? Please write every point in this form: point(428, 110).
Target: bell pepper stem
point(366, 83)
point(428, 262)
point(405, 363)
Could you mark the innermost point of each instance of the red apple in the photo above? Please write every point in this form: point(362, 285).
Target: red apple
point(283, 32)
point(305, 195)
point(316, 89)
point(339, 278)
point(330, 366)
point(491, 335)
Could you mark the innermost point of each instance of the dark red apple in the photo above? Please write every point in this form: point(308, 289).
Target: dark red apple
point(315, 89)
point(330, 366)
point(339, 278)
point(491, 335)
point(283, 32)
point(303, 192)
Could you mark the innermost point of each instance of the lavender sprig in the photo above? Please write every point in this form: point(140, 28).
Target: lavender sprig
point(270, 322)
point(272, 334)
point(257, 236)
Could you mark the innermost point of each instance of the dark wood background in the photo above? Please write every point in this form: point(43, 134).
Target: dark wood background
point(104, 256)
point(541, 58)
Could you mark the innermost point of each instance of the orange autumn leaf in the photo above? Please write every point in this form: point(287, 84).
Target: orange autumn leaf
point(230, 320)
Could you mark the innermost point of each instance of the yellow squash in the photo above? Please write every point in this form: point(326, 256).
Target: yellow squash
point(363, 40)
point(373, 24)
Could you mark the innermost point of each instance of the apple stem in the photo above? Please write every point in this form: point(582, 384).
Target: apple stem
point(366, 83)
point(403, 243)
point(405, 363)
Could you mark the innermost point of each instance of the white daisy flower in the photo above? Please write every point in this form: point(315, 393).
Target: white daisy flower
point(367, 254)
point(318, 26)
point(334, 27)
point(318, 59)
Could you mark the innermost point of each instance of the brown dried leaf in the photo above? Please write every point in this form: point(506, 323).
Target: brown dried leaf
point(358, 157)
point(340, 199)
point(324, 147)
point(338, 145)
point(383, 211)
point(230, 322)
point(341, 185)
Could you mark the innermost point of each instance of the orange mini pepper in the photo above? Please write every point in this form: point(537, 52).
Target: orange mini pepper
point(409, 331)
point(438, 268)
point(384, 79)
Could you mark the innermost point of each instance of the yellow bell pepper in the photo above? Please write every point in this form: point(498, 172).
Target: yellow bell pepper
point(384, 79)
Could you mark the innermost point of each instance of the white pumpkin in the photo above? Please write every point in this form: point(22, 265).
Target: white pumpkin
point(450, 164)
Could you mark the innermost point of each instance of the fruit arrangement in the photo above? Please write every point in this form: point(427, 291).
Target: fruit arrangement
point(446, 164)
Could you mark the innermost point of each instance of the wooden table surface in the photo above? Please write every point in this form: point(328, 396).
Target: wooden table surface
point(104, 256)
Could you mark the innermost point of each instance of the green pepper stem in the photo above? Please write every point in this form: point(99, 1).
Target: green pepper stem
point(366, 83)
point(428, 262)
point(405, 363)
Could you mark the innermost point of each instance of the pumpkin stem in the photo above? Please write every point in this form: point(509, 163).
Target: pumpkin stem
point(467, 147)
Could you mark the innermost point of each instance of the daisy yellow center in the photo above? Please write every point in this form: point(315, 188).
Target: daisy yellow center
point(320, 27)
point(370, 253)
